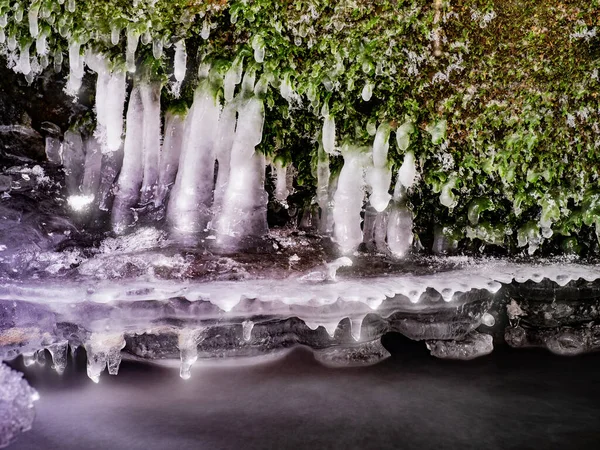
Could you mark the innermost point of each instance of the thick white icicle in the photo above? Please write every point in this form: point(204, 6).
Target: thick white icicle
point(380, 176)
point(191, 198)
point(225, 138)
point(76, 68)
point(150, 93)
point(348, 200)
point(34, 10)
point(281, 188)
point(245, 201)
point(130, 177)
point(170, 153)
point(407, 174)
point(400, 221)
point(328, 134)
point(133, 38)
point(180, 62)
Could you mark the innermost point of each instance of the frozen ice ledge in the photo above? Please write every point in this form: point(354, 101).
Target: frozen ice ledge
point(233, 310)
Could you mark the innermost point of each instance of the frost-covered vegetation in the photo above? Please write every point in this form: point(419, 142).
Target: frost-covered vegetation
point(496, 101)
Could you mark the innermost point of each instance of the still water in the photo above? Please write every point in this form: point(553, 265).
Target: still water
point(507, 400)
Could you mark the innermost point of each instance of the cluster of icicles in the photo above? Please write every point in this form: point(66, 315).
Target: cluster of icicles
point(175, 169)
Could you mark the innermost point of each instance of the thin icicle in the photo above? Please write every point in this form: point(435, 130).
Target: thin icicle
point(281, 188)
point(400, 222)
point(73, 157)
point(233, 77)
point(93, 169)
point(328, 134)
point(130, 177)
point(323, 188)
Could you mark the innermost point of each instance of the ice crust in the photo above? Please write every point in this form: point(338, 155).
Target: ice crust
point(16, 405)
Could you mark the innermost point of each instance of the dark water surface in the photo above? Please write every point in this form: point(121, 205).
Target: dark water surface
point(508, 400)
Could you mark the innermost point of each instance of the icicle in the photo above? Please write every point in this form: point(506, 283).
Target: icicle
point(367, 92)
point(115, 34)
point(190, 201)
point(188, 349)
point(247, 326)
point(170, 153)
point(403, 135)
point(180, 60)
point(41, 45)
point(348, 200)
point(356, 327)
point(375, 229)
point(29, 359)
point(323, 197)
point(73, 157)
point(328, 134)
point(58, 60)
point(102, 350)
point(225, 137)
point(157, 48)
point(400, 222)
point(130, 177)
point(407, 174)
point(59, 353)
point(53, 150)
point(150, 94)
point(205, 33)
point(281, 190)
point(34, 10)
point(24, 65)
point(258, 45)
point(133, 38)
point(379, 176)
point(115, 104)
point(71, 5)
point(245, 201)
point(76, 69)
point(92, 170)
point(233, 77)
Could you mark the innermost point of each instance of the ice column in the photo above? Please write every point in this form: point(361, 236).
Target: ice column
point(150, 94)
point(225, 137)
point(348, 200)
point(170, 153)
point(323, 197)
point(191, 198)
point(400, 221)
point(73, 157)
point(245, 201)
point(130, 177)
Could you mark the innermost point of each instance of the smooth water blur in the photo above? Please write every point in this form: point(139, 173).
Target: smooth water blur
point(510, 399)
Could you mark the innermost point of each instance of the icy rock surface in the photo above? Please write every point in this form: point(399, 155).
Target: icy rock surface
point(16, 405)
point(472, 346)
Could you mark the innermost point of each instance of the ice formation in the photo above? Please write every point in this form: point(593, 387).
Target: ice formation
point(16, 405)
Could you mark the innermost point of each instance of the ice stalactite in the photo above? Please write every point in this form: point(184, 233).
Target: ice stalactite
point(103, 350)
point(111, 164)
point(73, 159)
point(379, 176)
point(150, 94)
point(130, 177)
point(76, 68)
point(245, 201)
point(133, 38)
point(59, 353)
point(348, 200)
point(233, 77)
point(281, 181)
point(225, 137)
point(180, 63)
point(189, 209)
point(328, 133)
point(188, 341)
point(109, 103)
point(400, 222)
point(323, 191)
point(92, 172)
point(247, 326)
point(170, 153)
